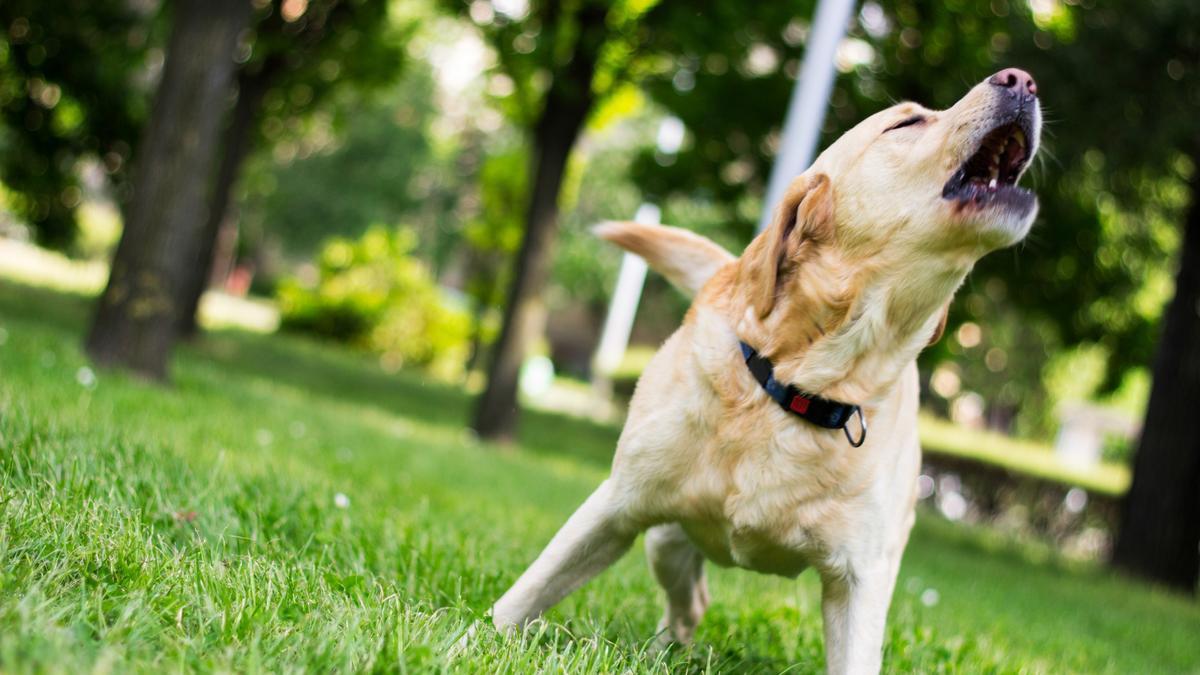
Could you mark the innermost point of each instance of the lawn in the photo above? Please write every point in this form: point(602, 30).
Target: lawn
point(287, 506)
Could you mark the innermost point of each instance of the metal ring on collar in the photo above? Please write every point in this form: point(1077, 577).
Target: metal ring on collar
point(862, 436)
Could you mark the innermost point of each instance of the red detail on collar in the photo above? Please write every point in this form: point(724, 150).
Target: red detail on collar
point(799, 404)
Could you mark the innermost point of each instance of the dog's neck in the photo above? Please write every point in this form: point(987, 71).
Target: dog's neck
point(848, 336)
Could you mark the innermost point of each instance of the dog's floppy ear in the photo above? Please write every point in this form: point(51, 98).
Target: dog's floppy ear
point(940, 330)
point(803, 220)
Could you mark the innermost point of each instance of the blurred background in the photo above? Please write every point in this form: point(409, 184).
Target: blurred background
point(414, 180)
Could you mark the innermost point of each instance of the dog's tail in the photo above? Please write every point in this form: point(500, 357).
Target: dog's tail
point(685, 258)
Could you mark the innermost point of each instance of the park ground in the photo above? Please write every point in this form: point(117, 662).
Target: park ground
point(287, 506)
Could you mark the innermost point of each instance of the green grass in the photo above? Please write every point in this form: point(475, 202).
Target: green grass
point(197, 527)
point(939, 436)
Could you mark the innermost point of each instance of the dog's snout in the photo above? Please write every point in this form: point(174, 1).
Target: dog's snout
point(1014, 80)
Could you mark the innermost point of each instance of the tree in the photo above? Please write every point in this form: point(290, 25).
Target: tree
point(565, 109)
point(1133, 155)
point(137, 315)
point(297, 61)
point(581, 52)
point(1159, 538)
point(1150, 94)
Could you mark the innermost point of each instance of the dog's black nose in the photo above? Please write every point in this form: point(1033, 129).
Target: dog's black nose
point(1015, 80)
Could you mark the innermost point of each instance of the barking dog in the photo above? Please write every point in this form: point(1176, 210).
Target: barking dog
point(777, 428)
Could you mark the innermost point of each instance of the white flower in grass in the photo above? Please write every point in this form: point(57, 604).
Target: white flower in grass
point(264, 437)
point(341, 501)
point(86, 377)
point(930, 597)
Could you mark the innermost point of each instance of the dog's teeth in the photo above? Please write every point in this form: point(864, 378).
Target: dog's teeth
point(992, 185)
point(1020, 136)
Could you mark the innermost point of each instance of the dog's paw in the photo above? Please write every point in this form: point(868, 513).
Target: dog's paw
point(666, 638)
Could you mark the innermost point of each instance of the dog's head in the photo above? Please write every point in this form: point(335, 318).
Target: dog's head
point(911, 188)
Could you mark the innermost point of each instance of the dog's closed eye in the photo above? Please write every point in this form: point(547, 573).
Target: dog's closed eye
point(915, 119)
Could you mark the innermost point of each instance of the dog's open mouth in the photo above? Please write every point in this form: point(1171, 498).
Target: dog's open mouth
point(990, 175)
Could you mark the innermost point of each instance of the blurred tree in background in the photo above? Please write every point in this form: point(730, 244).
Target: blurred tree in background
point(1134, 124)
point(136, 316)
point(558, 60)
point(76, 79)
point(300, 53)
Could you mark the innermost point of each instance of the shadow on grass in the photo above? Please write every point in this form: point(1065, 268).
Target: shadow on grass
point(326, 369)
point(65, 311)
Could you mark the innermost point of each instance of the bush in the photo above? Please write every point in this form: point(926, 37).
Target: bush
point(371, 293)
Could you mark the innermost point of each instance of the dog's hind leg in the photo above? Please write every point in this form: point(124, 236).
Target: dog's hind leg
point(679, 567)
point(593, 538)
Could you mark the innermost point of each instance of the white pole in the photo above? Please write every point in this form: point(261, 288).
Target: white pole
point(623, 306)
point(810, 98)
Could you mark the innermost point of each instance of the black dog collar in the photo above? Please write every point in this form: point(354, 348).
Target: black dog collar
point(819, 411)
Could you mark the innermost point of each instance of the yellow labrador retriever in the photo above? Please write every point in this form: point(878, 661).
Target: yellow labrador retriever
point(777, 428)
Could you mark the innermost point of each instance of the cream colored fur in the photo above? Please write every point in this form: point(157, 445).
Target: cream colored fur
point(842, 292)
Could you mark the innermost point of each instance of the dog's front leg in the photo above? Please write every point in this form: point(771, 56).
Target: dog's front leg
point(854, 606)
point(594, 537)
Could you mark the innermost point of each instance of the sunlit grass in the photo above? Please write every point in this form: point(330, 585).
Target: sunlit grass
point(1028, 457)
point(34, 266)
point(288, 506)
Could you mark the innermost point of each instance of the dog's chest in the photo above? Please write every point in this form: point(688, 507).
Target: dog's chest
point(751, 549)
point(778, 504)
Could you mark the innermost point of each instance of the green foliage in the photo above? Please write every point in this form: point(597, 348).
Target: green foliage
point(198, 528)
point(338, 179)
point(324, 124)
point(584, 266)
point(493, 236)
point(371, 293)
point(332, 47)
point(72, 85)
point(535, 48)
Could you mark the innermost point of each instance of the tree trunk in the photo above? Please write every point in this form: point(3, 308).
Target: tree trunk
point(136, 318)
point(568, 102)
point(1159, 537)
point(252, 87)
